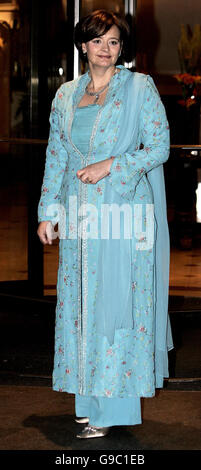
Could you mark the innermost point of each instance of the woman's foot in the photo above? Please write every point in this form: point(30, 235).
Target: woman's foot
point(82, 420)
point(93, 431)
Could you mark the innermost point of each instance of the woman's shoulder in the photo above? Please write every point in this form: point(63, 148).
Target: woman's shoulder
point(139, 78)
point(148, 82)
point(64, 93)
point(66, 88)
point(142, 77)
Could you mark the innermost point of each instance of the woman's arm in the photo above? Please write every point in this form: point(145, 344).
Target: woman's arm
point(55, 165)
point(127, 169)
point(45, 232)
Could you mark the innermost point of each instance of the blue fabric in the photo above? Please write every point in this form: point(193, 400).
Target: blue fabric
point(103, 411)
point(114, 253)
point(82, 126)
point(112, 332)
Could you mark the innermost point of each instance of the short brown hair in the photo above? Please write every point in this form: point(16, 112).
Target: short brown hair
point(97, 24)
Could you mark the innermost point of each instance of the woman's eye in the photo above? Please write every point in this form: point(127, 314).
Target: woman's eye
point(114, 43)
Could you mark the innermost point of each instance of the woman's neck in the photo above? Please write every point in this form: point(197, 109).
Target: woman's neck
point(99, 77)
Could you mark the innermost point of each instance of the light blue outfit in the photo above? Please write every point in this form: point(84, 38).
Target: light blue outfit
point(112, 332)
point(101, 410)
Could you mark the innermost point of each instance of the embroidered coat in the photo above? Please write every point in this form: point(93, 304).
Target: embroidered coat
point(112, 331)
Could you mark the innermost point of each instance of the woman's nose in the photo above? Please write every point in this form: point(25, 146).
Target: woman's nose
point(105, 46)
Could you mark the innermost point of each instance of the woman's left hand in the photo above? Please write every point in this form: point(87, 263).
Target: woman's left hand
point(95, 172)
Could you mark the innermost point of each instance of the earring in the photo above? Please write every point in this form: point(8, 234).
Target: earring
point(84, 53)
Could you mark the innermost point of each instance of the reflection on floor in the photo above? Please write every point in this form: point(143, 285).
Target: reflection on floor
point(185, 272)
point(36, 418)
point(13, 234)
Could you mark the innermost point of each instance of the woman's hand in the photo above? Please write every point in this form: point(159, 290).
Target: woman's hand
point(45, 232)
point(95, 172)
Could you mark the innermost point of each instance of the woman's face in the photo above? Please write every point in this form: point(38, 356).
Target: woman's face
point(104, 51)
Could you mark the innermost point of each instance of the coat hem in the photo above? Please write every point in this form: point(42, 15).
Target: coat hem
point(127, 395)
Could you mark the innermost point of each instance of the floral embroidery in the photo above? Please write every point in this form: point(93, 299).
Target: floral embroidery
point(117, 103)
point(108, 392)
point(117, 167)
point(109, 351)
point(142, 329)
point(128, 373)
point(99, 190)
point(127, 367)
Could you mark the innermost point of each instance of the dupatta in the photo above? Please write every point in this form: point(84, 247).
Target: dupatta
point(114, 268)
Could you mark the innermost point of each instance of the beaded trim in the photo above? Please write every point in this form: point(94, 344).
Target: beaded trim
point(84, 301)
point(83, 258)
point(79, 326)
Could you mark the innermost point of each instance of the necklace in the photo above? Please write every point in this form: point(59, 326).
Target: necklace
point(97, 93)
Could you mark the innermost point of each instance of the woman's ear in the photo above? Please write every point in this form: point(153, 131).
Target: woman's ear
point(84, 49)
point(121, 47)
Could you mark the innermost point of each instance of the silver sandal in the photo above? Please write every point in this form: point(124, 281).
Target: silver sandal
point(82, 420)
point(93, 431)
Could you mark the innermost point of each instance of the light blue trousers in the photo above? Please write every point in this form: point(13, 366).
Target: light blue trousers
point(103, 411)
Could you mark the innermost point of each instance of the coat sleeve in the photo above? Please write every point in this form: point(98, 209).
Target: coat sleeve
point(127, 169)
point(55, 164)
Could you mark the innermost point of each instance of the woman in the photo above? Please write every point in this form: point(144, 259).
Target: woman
point(109, 138)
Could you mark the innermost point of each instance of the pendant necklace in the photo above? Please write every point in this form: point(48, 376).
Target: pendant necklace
point(97, 93)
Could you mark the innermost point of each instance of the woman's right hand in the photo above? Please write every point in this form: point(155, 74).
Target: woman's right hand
point(45, 232)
